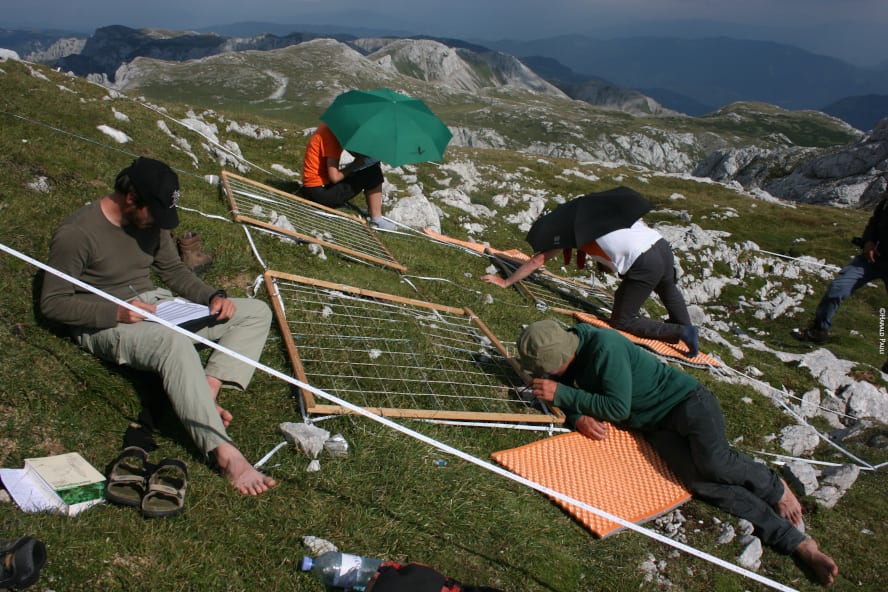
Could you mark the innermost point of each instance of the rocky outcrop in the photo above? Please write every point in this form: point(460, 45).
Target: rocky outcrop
point(61, 48)
point(110, 47)
point(461, 69)
point(852, 176)
point(649, 147)
point(770, 164)
point(609, 96)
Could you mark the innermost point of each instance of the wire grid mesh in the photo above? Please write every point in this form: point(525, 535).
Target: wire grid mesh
point(260, 205)
point(398, 357)
point(550, 292)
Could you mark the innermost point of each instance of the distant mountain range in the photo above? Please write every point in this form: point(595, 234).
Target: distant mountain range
point(696, 76)
point(648, 74)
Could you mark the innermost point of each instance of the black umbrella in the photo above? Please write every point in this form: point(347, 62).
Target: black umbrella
point(584, 219)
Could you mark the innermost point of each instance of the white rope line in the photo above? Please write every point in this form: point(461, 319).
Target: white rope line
point(726, 369)
point(550, 429)
point(783, 458)
point(204, 214)
point(252, 200)
point(445, 448)
point(211, 141)
point(265, 458)
point(862, 463)
point(67, 133)
point(829, 266)
point(225, 149)
point(406, 279)
point(92, 141)
point(253, 246)
point(440, 279)
point(478, 372)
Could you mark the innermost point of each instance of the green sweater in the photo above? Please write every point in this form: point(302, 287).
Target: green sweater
point(613, 379)
point(88, 247)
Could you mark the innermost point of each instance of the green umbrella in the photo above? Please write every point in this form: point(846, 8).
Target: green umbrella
point(387, 126)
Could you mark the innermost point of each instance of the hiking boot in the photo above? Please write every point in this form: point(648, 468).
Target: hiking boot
point(191, 254)
point(20, 562)
point(812, 334)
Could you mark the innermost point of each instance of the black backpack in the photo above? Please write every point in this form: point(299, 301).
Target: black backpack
point(416, 577)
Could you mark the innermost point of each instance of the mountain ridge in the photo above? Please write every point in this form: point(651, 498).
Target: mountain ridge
point(714, 71)
point(494, 99)
point(510, 108)
point(656, 66)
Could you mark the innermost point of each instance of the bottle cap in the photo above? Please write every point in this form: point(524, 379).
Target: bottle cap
point(306, 563)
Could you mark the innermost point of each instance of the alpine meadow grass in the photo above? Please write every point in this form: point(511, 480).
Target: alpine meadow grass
point(390, 497)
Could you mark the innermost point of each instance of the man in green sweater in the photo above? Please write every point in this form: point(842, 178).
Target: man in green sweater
point(597, 375)
point(114, 244)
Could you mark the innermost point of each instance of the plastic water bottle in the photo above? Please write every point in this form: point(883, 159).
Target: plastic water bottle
point(341, 570)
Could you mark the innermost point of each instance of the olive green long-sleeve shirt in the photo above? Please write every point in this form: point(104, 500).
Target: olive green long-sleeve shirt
point(613, 379)
point(88, 247)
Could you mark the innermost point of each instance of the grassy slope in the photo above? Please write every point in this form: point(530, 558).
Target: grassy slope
point(388, 498)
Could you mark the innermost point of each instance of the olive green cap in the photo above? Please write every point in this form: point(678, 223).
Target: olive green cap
point(545, 346)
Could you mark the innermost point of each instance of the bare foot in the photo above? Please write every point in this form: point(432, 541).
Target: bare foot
point(789, 507)
point(240, 473)
point(215, 386)
point(823, 565)
point(225, 415)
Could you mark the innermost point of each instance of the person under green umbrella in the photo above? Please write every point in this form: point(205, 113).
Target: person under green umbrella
point(325, 183)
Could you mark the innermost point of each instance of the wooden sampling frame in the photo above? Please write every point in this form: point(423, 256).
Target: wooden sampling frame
point(311, 222)
point(361, 344)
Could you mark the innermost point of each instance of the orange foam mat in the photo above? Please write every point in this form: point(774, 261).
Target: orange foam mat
point(672, 350)
point(621, 475)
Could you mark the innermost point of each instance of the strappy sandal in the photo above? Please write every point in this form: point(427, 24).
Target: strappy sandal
point(166, 489)
point(20, 562)
point(128, 477)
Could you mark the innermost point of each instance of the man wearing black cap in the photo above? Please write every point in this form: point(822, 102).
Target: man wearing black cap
point(114, 244)
point(596, 375)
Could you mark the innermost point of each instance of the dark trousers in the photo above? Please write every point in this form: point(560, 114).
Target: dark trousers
point(691, 439)
point(336, 195)
point(853, 276)
point(653, 271)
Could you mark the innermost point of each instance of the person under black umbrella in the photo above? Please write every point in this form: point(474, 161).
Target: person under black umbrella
point(607, 227)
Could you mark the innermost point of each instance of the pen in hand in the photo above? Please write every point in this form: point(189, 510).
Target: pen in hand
point(133, 290)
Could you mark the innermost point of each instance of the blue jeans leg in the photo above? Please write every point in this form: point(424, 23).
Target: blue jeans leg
point(852, 277)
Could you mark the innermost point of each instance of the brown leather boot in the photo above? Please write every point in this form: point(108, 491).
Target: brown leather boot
point(189, 249)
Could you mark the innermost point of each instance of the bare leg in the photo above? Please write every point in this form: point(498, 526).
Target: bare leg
point(789, 507)
point(240, 473)
point(823, 565)
point(215, 387)
point(374, 201)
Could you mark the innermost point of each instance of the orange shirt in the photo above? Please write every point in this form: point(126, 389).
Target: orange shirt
point(596, 251)
point(321, 146)
point(591, 248)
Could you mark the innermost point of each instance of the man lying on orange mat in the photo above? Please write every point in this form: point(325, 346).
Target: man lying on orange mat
point(597, 375)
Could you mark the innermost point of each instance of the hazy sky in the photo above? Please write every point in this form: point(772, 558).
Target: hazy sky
point(849, 29)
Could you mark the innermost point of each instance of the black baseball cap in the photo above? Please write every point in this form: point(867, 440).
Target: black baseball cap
point(157, 186)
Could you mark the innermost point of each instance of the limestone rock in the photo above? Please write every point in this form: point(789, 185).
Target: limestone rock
point(799, 439)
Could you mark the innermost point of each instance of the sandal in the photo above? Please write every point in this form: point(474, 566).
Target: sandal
point(20, 562)
point(166, 489)
point(128, 477)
